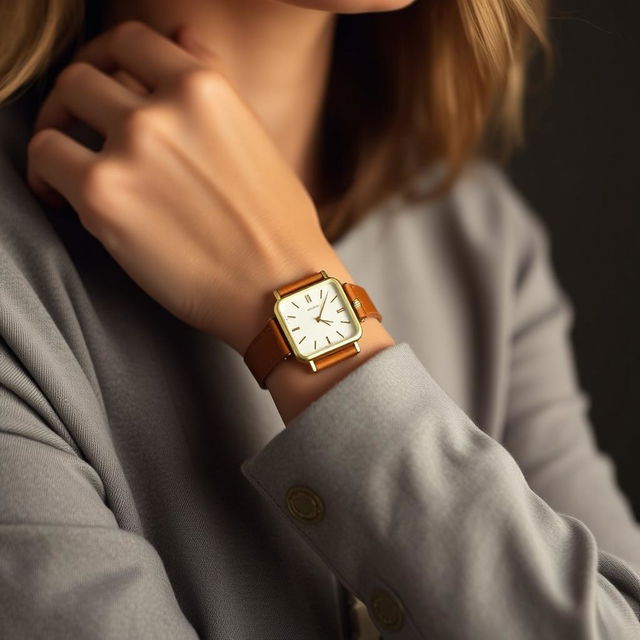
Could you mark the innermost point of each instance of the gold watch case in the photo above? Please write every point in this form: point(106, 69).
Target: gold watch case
point(329, 348)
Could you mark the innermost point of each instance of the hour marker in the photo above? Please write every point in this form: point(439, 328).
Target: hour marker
point(334, 297)
point(314, 344)
point(307, 297)
point(295, 328)
point(340, 309)
point(345, 321)
point(301, 341)
point(328, 341)
point(339, 334)
point(321, 290)
point(290, 316)
point(294, 304)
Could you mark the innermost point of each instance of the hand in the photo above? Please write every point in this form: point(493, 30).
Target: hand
point(188, 194)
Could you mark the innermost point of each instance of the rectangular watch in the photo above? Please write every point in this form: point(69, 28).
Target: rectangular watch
point(316, 319)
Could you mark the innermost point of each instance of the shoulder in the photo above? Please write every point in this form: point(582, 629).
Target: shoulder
point(41, 289)
point(484, 202)
point(482, 218)
point(27, 239)
point(480, 247)
point(39, 246)
point(496, 225)
point(36, 273)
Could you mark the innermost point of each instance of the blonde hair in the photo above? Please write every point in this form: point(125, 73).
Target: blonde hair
point(407, 88)
point(32, 33)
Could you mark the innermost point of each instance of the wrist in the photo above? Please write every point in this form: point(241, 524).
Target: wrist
point(293, 388)
point(253, 314)
point(292, 385)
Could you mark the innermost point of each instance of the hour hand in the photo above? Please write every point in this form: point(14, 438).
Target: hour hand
point(326, 321)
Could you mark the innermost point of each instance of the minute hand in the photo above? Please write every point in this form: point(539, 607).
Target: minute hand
point(322, 308)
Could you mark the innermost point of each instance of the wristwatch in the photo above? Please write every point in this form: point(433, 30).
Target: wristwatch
point(316, 319)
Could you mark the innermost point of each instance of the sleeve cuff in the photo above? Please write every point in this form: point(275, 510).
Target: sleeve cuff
point(420, 513)
point(328, 472)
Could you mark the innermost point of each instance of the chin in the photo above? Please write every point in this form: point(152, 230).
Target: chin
point(350, 6)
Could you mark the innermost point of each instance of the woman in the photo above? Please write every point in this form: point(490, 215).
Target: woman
point(185, 162)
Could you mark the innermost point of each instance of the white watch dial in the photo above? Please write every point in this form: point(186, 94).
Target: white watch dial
point(319, 318)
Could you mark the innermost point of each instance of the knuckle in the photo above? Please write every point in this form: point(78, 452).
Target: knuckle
point(96, 188)
point(142, 124)
point(198, 83)
point(72, 73)
point(39, 141)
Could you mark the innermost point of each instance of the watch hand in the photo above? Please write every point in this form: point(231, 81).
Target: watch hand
point(327, 321)
point(322, 308)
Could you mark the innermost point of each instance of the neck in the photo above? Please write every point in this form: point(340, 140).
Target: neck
point(276, 55)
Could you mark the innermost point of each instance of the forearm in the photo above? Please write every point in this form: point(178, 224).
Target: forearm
point(293, 386)
point(423, 506)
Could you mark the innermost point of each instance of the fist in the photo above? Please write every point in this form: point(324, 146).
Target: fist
point(189, 193)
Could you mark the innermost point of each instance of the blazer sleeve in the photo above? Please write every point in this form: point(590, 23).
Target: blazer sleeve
point(66, 569)
point(433, 524)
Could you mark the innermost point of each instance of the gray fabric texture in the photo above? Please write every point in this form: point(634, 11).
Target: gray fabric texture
point(143, 472)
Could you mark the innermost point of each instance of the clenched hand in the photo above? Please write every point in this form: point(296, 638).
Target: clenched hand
point(189, 194)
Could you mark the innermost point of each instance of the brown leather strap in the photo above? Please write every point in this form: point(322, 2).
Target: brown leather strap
point(266, 350)
point(270, 346)
point(366, 309)
point(335, 356)
point(298, 284)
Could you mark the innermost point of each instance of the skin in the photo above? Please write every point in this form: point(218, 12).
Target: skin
point(203, 189)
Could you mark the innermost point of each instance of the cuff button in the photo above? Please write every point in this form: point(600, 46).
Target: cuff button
point(304, 504)
point(386, 610)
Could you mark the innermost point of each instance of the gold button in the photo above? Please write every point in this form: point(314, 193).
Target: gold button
point(304, 504)
point(386, 609)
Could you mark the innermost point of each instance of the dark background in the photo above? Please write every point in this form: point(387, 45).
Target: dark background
point(579, 169)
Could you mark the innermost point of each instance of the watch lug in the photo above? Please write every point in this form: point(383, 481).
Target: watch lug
point(312, 364)
point(324, 274)
point(276, 294)
point(357, 346)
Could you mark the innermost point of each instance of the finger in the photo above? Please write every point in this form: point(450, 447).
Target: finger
point(127, 80)
point(152, 58)
point(85, 93)
point(56, 161)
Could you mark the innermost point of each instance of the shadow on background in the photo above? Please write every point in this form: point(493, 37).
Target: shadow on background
point(580, 171)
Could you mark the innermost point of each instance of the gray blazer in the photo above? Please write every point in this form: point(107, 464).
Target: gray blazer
point(148, 488)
